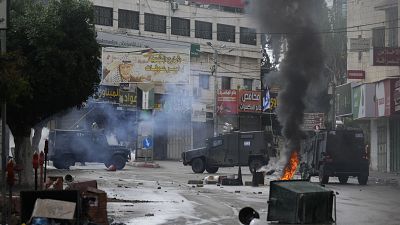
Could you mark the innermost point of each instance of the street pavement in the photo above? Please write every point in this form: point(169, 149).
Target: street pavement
point(140, 195)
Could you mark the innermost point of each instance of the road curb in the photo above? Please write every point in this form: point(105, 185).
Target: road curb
point(145, 164)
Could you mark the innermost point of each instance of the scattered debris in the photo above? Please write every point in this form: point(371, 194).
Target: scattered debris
point(149, 214)
point(158, 187)
point(259, 192)
point(211, 179)
point(195, 182)
point(200, 185)
point(237, 191)
point(270, 172)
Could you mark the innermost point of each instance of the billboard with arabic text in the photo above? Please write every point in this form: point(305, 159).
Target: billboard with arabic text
point(145, 65)
point(249, 101)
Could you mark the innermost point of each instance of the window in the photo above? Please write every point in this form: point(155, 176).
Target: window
point(128, 19)
point(103, 16)
point(203, 30)
point(180, 26)
point(392, 17)
point(217, 142)
point(155, 23)
point(225, 33)
point(378, 37)
point(248, 36)
point(204, 81)
point(248, 84)
point(226, 83)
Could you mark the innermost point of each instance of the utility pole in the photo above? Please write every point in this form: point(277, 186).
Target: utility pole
point(214, 71)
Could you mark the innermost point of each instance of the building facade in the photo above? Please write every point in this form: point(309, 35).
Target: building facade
point(373, 62)
point(224, 46)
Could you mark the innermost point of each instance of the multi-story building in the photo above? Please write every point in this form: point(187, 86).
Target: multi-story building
point(225, 48)
point(373, 62)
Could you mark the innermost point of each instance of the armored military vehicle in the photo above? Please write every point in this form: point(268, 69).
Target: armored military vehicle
point(236, 148)
point(335, 153)
point(69, 146)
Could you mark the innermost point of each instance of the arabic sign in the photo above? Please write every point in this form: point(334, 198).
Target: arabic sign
point(387, 56)
point(313, 120)
point(107, 93)
point(356, 74)
point(249, 101)
point(363, 101)
point(227, 102)
point(143, 65)
point(396, 96)
point(385, 104)
point(359, 44)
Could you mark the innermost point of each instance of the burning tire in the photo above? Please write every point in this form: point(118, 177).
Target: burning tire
point(343, 179)
point(118, 161)
point(211, 169)
point(198, 165)
point(255, 164)
point(323, 176)
point(362, 179)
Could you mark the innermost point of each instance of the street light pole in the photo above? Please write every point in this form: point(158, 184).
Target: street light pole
point(214, 70)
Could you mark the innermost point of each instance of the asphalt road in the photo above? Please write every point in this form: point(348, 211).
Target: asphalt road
point(163, 196)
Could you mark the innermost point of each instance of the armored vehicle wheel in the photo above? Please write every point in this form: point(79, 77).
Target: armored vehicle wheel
point(343, 179)
point(323, 177)
point(362, 179)
point(65, 163)
point(118, 161)
point(255, 164)
point(198, 165)
point(211, 169)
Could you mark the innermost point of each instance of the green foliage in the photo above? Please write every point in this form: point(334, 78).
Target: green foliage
point(58, 40)
point(12, 81)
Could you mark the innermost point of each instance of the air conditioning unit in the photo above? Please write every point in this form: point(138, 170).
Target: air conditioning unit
point(196, 92)
point(174, 6)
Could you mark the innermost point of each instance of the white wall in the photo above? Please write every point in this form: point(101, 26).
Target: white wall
point(363, 12)
point(374, 145)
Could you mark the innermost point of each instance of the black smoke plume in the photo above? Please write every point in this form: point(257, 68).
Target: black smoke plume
point(295, 22)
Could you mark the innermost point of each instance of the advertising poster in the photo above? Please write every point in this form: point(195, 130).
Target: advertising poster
point(396, 96)
point(145, 65)
point(250, 101)
point(227, 102)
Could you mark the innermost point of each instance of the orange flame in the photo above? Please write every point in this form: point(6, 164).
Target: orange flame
point(291, 166)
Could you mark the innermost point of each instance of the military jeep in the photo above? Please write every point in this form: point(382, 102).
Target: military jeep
point(335, 153)
point(252, 148)
point(66, 147)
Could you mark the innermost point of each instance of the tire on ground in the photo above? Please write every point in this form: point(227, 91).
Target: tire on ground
point(362, 179)
point(118, 161)
point(322, 175)
point(198, 165)
point(65, 163)
point(211, 169)
point(255, 164)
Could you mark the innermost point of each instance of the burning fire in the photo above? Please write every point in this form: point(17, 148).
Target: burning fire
point(291, 166)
